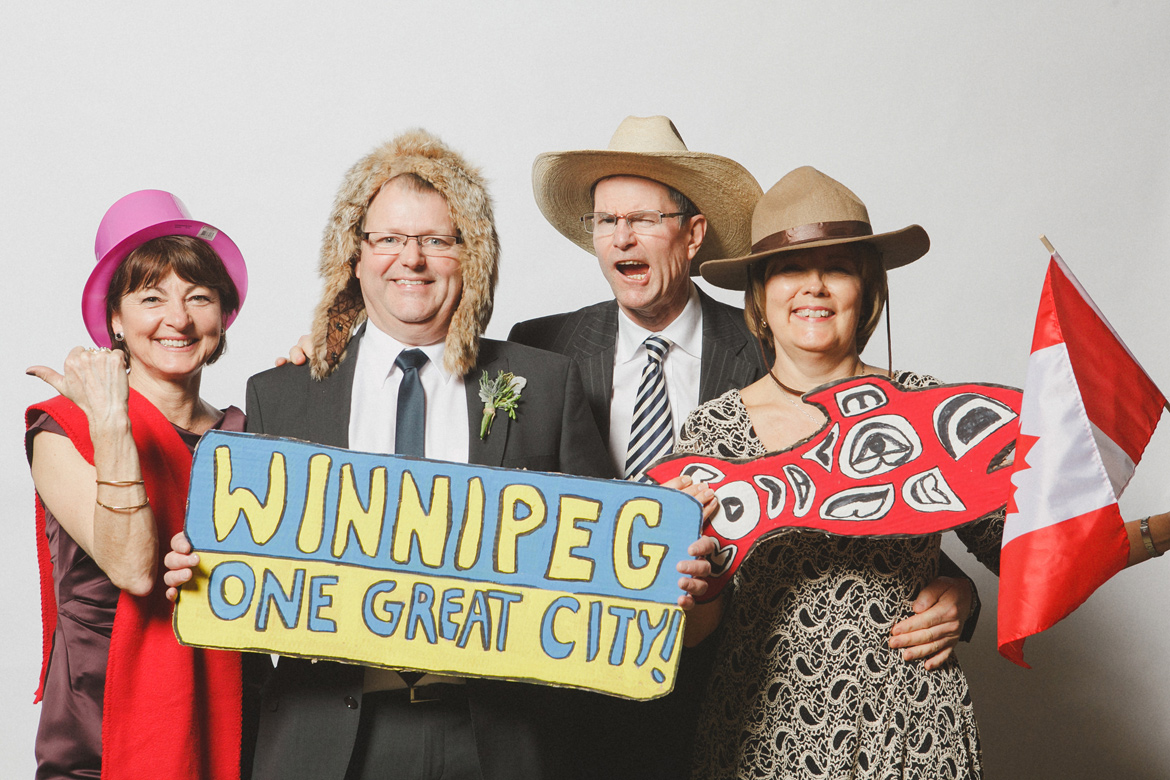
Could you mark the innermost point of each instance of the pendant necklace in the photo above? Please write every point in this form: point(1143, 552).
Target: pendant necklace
point(790, 392)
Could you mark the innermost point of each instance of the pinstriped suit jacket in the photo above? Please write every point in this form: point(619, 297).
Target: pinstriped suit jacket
point(731, 357)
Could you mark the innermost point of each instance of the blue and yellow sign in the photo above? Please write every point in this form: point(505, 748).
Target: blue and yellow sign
point(408, 563)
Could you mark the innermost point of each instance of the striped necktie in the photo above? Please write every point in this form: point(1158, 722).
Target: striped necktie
point(652, 431)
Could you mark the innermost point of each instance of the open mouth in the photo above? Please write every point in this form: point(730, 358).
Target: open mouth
point(176, 343)
point(633, 269)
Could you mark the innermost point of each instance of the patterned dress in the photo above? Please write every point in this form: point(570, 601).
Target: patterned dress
point(804, 683)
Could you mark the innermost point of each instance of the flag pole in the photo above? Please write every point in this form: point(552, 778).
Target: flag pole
point(1047, 244)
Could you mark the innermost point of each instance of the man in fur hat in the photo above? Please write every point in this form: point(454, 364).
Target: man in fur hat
point(409, 262)
point(652, 211)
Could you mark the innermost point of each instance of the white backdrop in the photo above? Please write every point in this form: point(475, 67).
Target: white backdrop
point(987, 123)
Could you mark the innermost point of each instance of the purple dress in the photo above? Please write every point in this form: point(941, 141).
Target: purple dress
point(69, 738)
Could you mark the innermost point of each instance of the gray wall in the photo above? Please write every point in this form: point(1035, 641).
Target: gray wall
point(987, 123)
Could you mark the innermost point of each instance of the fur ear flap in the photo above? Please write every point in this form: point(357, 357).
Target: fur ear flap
point(341, 307)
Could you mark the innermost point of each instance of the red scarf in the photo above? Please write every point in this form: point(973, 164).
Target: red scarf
point(170, 710)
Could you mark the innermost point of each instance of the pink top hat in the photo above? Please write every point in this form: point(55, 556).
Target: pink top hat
point(135, 219)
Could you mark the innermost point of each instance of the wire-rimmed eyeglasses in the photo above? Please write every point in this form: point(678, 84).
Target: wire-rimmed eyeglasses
point(602, 223)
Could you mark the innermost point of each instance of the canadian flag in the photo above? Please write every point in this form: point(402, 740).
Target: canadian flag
point(1088, 412)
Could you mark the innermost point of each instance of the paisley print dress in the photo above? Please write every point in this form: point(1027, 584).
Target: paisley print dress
point(804, 684)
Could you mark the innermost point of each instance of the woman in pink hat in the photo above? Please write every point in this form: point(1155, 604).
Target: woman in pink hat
point(808, 681)
point(110, 459)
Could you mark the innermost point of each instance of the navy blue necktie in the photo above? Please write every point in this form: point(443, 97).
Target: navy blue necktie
point(410, 424)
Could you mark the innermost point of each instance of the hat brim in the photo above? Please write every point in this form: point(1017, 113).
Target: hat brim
point(720, 188)
point(898, 248)
point(97, 287)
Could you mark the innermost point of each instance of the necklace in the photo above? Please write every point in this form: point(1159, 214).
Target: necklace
point(790, 392)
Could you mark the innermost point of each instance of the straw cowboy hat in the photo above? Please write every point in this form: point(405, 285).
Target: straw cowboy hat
point(649, 147)
point(808, 209)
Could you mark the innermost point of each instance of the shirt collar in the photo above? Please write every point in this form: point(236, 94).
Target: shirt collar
point(686, 332)
point(383, 349)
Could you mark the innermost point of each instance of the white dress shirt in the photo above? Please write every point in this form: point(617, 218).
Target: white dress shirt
point(681, 367)
point(373, 407)
point(373, 413)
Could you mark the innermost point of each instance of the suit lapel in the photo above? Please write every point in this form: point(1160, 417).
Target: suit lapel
point(593, 345)
point(489, 451)
point(332, 396)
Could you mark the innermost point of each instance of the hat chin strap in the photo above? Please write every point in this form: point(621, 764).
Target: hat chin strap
point(813, 231)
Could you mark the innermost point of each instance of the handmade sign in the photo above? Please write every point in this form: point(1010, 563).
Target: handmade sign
point(889, 462)
point(321, 552)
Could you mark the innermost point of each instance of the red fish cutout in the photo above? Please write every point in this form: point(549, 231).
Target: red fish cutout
point(889, 462)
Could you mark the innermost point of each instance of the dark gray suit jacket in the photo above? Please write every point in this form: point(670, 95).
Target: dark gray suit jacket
point(310, 711)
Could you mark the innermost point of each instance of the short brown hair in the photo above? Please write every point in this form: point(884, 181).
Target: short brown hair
point(191, 259)
point(874, 294)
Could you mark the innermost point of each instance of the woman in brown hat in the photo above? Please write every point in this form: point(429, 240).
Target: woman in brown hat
point(806, 683)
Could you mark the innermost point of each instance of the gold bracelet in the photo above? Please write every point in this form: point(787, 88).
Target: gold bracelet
point(120, 482)
point(1148, 540)
point(145, 503)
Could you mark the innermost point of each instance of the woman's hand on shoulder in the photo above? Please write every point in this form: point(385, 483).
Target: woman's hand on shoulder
point(94, 379)
point(932, 633)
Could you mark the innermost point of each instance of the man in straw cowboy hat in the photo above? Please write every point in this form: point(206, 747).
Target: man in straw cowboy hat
point(409, 262)
point(652, 211)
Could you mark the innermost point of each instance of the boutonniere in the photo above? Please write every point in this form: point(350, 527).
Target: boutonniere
point(502, 393)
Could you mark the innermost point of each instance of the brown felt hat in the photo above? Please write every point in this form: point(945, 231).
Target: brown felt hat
point(650, 147)
point(808, 209)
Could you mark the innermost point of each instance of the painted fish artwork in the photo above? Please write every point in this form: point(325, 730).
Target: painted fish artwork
point(887, 462)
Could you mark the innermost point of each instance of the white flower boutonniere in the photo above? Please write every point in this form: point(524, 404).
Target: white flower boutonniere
point(502, 393)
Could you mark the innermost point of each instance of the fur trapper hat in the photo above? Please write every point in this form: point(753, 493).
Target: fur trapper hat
point(342, 309)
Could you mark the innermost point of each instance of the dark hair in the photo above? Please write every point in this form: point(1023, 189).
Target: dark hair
point(874, 294)
point(681, 202)
point(191, 259)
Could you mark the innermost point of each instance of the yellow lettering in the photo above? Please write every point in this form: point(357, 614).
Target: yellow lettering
point(366, 523)
point(431, 528)
point(472, 534)
point(628, 575)
point(312, 529)
point(511, 527)
point(563, 565)
point(262, 518)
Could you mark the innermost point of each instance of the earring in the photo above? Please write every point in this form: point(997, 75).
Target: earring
point(119, 337)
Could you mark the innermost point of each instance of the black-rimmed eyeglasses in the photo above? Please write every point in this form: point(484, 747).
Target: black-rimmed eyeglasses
point(393, 243)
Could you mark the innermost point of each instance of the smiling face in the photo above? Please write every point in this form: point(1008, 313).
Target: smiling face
point(409, 296)
point(648, 273)
point(813, 301)
point(171, 327)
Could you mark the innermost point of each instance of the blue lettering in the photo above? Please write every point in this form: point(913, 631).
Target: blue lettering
point(319, 600)
point(624, 615)
point(382, 626)
point(478, 614)
point(217, 585)
point(506, 600)
point(287, 604)
point(448, 607)
point(422, 601)
point(553, 647)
